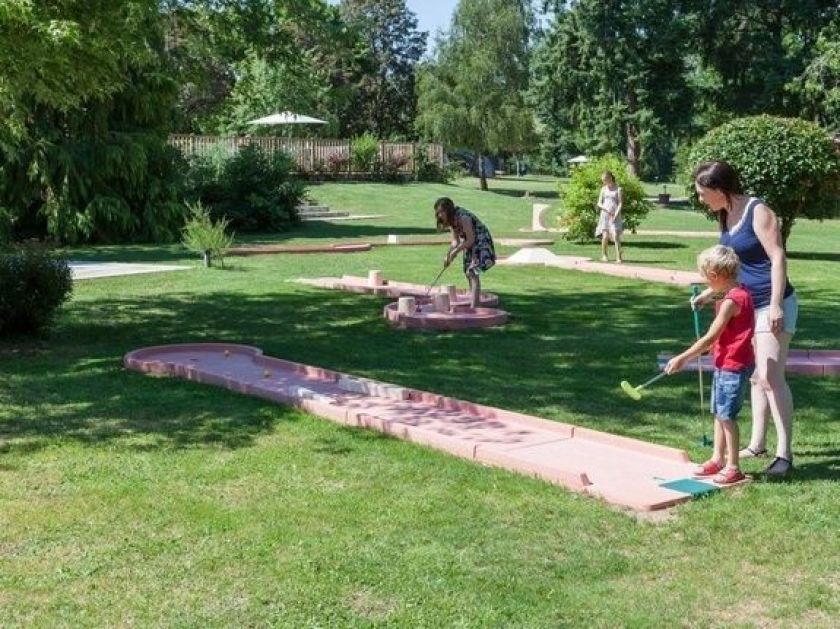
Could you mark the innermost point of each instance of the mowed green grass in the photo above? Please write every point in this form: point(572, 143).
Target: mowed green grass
point(127, 499)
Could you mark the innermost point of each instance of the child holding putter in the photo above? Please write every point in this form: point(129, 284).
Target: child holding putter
point(730, 337)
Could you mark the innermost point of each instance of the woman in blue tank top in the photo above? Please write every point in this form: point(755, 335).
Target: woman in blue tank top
point(752, 230)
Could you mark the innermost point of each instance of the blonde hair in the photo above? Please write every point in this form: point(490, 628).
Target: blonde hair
point(721, 260)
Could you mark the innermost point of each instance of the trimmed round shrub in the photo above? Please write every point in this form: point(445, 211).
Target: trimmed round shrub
point(579, 197)
point(33, 284)
point(790, 163)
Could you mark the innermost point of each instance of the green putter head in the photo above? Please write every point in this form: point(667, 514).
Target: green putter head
point(630, 390)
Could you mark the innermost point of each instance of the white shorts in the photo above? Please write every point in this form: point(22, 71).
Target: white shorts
point(790, 309)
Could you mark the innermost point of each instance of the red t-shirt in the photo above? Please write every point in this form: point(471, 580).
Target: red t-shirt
point(733, 350)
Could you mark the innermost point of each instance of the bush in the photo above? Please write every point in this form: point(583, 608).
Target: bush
point(788, 162)
point(33, 284)
point(206, 237)
point(252, 190)
point(578, 198)
point(338, 163)
point(363, 152)
point(427, 170)
point(391, 169)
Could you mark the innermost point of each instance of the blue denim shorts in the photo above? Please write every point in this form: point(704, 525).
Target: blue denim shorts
point(728, 390)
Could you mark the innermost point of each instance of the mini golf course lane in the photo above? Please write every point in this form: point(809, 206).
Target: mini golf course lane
point(626, 472)
point(376, 285)
point(808, 362)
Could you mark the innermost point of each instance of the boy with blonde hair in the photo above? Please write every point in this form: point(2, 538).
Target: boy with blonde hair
point(730, 337)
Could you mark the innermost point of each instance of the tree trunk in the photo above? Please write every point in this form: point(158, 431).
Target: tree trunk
point(634, 150)
point(481, 174)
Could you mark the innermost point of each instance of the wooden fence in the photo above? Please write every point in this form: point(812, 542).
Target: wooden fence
point(312, 155)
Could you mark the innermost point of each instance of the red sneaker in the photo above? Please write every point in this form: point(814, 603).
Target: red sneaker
point(728, 475)
point(709, 468)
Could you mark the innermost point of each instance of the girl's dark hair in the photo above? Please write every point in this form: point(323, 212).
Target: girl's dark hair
point(608, 173)
point(721, 176)
point(448, 207)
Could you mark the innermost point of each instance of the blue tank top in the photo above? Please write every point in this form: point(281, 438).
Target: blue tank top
point(755, 263)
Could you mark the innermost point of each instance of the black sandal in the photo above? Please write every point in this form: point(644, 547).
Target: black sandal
point(778, 468)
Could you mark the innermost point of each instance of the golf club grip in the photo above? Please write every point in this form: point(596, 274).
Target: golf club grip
point(695, 290)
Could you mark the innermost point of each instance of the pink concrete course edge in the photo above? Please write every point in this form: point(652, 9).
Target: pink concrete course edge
point(582, 460)
point(800, 361)
point(460, 318)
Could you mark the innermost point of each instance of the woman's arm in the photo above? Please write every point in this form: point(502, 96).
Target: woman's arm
point(617, 212)
point(766, 227)
point(600, 202)
point(463, 243)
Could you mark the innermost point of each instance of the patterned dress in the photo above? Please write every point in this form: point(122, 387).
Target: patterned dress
point(608, 222)
point(482, 255)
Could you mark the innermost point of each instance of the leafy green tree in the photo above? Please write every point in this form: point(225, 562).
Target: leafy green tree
point(473, 94)
point(240, 60)
point(89, 162)
point(745, 53)
point(818, 87)
point(386, 101)
point(790, 163)
point(609, 76)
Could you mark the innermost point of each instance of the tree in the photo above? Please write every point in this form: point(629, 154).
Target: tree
point(790, 163)
point(473, 94)
point(746, 52)
point(237, 60)
point(83, 160)
point(818, 87)
point(386, 102)
point(609, 76)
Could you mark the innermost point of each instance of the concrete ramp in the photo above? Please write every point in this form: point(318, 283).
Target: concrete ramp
point(626, 472)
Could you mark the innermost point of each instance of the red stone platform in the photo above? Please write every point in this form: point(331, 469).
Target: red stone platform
point(395, 290)
point(623, 471)
point(460, 317)
point(807, 362)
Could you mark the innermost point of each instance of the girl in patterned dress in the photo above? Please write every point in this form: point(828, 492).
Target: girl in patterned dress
point(472, 237)
point(610, 223)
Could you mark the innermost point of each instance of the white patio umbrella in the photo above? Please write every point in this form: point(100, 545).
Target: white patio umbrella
point(287, 117)
point(580, 159)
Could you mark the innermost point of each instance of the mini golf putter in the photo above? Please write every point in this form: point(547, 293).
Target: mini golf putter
point(636, 392)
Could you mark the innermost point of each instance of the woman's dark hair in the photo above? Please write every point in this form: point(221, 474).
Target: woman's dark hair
point(445, 206)
point(609, 175)
point(720, 176)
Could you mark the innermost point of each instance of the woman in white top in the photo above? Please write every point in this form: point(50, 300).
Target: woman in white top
point(610, 223)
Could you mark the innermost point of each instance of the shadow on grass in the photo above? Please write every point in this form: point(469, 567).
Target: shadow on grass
point(819, 256)
point(337, 231)
point(561, 356)
point(538, 194)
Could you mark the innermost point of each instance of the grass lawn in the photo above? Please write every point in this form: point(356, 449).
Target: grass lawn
point(131, 500)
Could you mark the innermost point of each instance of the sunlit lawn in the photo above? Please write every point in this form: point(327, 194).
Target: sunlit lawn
point(130, 500)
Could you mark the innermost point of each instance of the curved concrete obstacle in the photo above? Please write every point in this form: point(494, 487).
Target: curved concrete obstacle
point(408, 314)
point(627, 472)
